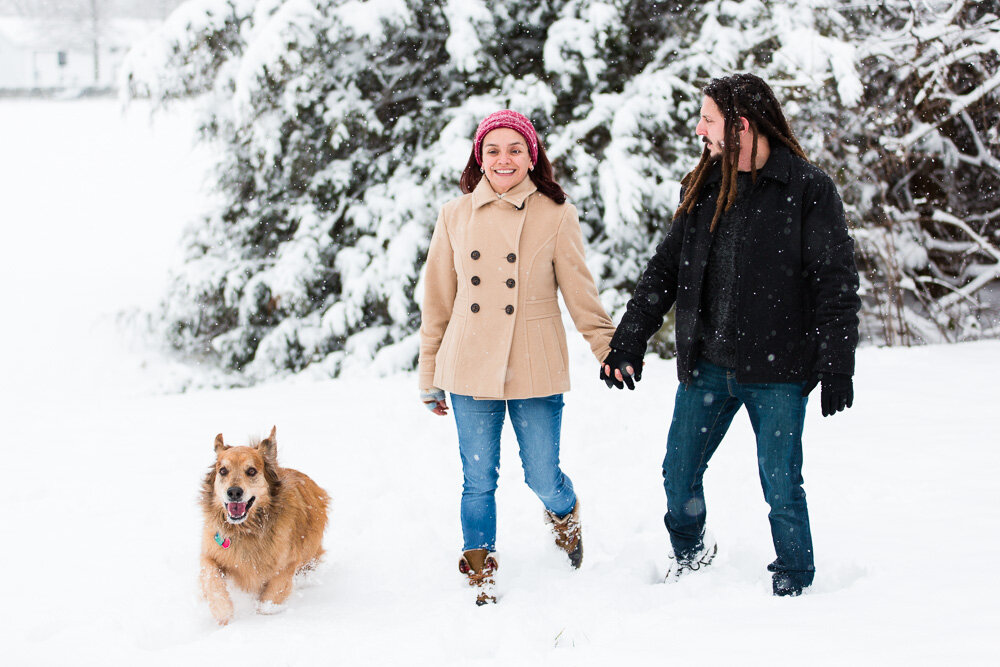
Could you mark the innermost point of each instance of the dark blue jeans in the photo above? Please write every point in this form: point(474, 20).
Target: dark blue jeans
point(703, 412)
point(537, 423)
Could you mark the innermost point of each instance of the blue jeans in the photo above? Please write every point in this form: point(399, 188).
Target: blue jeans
point(703, 412)
point(537, 423)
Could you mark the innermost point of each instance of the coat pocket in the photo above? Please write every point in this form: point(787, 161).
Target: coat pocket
point(548, 344)
point(447, 355)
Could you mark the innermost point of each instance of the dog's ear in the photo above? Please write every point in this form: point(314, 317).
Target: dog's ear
point(268, 447)
point(220, 445)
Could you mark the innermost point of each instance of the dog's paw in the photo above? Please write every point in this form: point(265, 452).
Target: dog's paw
point(269, 608)
point(223, 616)
point(222, 610)
point(308, 577)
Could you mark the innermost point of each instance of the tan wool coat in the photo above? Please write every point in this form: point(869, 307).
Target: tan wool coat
point(491, 325)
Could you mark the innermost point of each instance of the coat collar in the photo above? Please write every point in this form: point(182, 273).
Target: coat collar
point(777, 167)
point(484, 194)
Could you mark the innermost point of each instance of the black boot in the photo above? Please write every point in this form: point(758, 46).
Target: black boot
point(785, 584)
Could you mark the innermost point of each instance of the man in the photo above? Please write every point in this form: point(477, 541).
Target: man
point(761, 268)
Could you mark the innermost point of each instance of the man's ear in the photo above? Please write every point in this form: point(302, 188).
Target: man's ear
point(220, 445)
point(744, 124)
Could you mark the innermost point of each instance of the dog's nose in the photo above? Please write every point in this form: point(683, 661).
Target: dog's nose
point(234, 493)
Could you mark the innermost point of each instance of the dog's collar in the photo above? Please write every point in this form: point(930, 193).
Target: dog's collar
point(224, 543)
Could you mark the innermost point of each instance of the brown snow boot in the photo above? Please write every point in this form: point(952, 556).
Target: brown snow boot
point(569, 534)
point(479, 565)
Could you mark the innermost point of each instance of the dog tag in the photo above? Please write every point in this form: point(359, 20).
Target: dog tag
point(224, 543)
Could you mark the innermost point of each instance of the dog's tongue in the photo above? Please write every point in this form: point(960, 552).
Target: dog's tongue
point(237, 509)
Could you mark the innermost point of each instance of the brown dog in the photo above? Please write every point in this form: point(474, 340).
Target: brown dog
point(263, 523)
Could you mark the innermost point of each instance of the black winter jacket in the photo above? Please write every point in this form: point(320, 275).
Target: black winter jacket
point(796, 286)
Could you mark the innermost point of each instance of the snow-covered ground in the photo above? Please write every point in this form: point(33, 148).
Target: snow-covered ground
point(102, 469)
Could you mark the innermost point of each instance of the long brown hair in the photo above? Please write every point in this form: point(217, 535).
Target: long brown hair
point(738, 95)
point(541, 176)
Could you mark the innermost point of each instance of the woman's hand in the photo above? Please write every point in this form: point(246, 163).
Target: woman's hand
point(620, 368)
point(433, 399)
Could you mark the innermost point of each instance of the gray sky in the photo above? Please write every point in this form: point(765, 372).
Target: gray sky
point(79, 9)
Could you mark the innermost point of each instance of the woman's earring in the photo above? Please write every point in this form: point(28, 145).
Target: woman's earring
point(482, 171)
point(531, 168)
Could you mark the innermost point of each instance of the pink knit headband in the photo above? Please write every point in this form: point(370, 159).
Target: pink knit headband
point(512, 120)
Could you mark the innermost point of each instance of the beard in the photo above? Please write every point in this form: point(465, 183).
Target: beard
point(715, 149)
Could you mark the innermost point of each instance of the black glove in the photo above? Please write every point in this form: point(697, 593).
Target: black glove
point(621, 360)
point(837, 391)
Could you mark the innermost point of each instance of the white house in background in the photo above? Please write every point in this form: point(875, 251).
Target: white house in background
point(47, 54)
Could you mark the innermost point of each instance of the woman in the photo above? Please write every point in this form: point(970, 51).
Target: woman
point(492, 333)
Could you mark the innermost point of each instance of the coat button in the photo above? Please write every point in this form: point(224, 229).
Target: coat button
point(511, 258)
point(510, 282)
point(475, 280)
point(475, 254)
point(509, 310)
point(475, 307)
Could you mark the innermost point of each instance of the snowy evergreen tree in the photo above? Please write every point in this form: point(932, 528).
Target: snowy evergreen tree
point(343, 125)
point(928, 129)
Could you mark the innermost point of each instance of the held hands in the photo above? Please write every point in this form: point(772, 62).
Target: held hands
point(620, 368)
point(433, 400)
point(837, 391)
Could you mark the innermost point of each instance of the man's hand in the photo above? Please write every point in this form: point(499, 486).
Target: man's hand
point(837, 391)
point(619, 369)
point(433, 400)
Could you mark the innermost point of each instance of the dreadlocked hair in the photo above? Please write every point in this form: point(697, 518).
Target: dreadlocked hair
point(738, 95)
